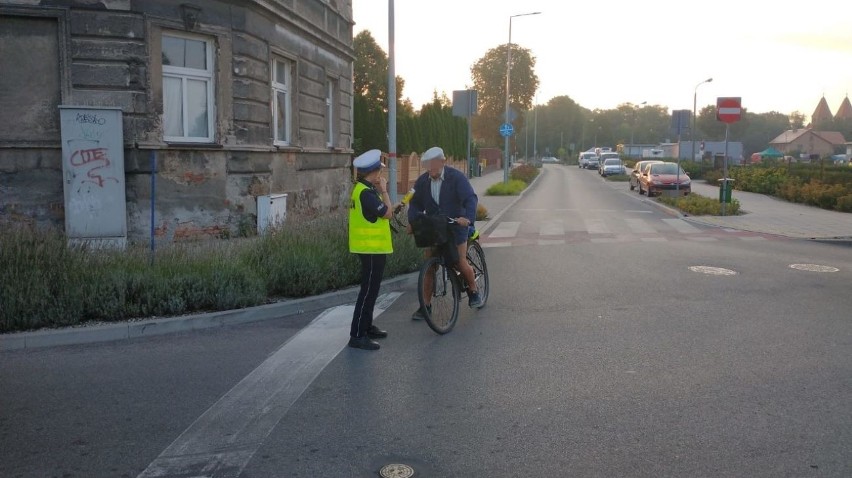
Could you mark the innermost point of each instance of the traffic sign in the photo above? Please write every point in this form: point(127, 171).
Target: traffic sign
point(506, 129)
point(729, 109)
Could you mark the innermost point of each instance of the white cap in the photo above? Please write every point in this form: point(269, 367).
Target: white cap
point(369, 161)
point(432, 153)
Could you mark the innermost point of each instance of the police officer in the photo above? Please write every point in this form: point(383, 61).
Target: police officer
point(370, 239)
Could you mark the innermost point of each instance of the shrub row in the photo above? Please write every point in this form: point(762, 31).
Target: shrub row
point(802, 183)
point(698, 205)
point(524, 172)
point(44, 283)
point(512, 188)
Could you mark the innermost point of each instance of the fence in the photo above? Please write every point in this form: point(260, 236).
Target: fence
point(409, 168)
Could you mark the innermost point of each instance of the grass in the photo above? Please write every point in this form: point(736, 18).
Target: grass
point(512, 188)
point(618, 178)
point(43, 283)
point(698, 205)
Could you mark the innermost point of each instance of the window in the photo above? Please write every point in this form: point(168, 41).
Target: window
point(329, 113)
point(187, 89)
point(281, 111)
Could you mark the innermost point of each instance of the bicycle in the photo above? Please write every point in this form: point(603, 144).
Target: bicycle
point(448, 286)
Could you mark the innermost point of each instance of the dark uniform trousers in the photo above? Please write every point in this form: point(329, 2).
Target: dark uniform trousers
point(372, 270)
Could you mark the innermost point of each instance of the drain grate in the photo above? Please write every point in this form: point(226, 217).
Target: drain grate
point(396, 470)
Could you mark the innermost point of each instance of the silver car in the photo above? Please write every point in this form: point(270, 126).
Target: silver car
point(612, 166)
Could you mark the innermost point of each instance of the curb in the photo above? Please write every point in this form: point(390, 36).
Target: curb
point(493, 221)
point(185, 323)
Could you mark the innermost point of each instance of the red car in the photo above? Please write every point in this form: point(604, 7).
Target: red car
point(663, 177)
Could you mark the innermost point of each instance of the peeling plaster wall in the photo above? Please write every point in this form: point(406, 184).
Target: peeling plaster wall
point(106, 53)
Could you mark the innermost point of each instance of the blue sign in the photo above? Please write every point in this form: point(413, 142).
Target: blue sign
point(506, 129)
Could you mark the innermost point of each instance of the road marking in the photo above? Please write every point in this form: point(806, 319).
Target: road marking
point(606, 240)
point(653, 239)
point(713, 271)
point(223, 439)
point(552, 228)
point(702, 239)
point(639, 225)
point(496, 244)
point(551, 242)
point(639, 211)
point(596, 226)
point(505, 229)
point(682, 226)
point(752, 238)
point(813, 268)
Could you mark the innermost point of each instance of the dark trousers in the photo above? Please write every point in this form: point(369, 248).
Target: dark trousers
point(372, 269)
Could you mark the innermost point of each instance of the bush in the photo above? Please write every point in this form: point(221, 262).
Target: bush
point(44, 283)
point(698, 205)
point(525, 172)
point(844, 203)
point(512, 188)
point(712, 177)
point(758, 179)
point(697, 170)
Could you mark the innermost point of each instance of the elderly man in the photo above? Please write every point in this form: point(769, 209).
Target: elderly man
point(446, 191)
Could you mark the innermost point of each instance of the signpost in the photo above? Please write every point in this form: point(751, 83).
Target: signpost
point(728, 110)
point(465, 105)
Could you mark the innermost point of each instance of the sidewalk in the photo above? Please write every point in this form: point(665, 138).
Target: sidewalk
point(766, 214)
point(94, 333)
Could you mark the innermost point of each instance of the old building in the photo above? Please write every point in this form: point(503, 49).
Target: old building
point(229, 99)
point(810, 143)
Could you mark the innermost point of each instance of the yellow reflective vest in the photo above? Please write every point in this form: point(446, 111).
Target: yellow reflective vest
point(367, 237)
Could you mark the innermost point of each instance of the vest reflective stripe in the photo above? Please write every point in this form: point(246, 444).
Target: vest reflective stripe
point(367, 237)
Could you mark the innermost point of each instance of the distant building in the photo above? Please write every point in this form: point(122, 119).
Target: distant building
point(238, 99)
point(806, 141)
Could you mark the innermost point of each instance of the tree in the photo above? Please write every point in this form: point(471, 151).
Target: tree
point(489, 79)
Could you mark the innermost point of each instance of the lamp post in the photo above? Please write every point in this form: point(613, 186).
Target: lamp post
point(694, 104)
point(508, 76)
point(632, 127)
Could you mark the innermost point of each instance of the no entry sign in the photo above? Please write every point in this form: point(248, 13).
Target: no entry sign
point(729, 109)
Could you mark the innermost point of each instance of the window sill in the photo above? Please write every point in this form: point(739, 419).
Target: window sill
point(179, 145)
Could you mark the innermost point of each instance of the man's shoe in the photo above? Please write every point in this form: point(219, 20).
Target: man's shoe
point(421, 313)
point(376, 333)
point(363, 343)
point(474, 300)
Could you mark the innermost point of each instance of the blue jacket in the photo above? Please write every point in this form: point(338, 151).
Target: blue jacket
point(458, 199)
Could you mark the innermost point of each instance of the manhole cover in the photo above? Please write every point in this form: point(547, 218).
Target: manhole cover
point(396, 471)
point(715, 271)
point(813, 268)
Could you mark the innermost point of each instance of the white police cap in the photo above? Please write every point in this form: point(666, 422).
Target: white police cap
point(432, 153)
point(369, 161)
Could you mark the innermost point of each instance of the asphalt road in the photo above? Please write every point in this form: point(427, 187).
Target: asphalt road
point(599, 353)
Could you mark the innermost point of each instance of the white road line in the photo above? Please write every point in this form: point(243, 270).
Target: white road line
point(639, 225)
point(551, 242)
point(639, 211)
point(752, 238)
point(596, 226)
point(653, 239)
point(505, 229)
point(682, 226)
point(223, 440)
point(606, 240)
point(486, 245)
point(552, 228)
point(702, 239)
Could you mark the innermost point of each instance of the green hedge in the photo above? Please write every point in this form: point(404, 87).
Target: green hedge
point(698, 205)
point(525, 172)
point(827, 187)
point(512, 188)
point(43, 283)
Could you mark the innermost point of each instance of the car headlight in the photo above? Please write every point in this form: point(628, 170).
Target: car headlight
point(685, 183)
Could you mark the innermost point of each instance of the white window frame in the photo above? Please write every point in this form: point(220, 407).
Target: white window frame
point(286, 89)
point(329, 112)
point(185, 74)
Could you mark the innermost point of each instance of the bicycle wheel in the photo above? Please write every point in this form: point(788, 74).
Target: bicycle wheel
point(399, 220)
point(443, 310)
point(476, 259)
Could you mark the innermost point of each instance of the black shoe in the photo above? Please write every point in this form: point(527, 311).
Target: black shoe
point(376, 333)
point(363, 343)
point(474, 299)
point(420, 314)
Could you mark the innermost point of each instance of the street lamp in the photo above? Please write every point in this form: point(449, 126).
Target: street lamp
point(508, 76)
point(694, 104)
point(632, 127)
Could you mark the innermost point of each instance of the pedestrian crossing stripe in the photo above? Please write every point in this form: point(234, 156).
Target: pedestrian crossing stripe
point(610, 231)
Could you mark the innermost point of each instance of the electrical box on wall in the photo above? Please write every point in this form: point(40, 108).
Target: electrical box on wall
point(271, 212)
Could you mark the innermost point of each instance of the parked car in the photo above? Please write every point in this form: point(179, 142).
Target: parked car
point(592, 162)
point(638, 170)
point(603, 157)
point(662, 177)
point(584, 158)
point(612, 166)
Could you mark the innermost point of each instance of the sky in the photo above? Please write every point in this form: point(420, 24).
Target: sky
point(777, 56)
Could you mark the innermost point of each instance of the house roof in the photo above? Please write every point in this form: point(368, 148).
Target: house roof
point(845, 111)
point(792, 135)
point(821, 113)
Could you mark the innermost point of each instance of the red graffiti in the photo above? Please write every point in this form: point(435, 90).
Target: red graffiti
point(85, 157)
